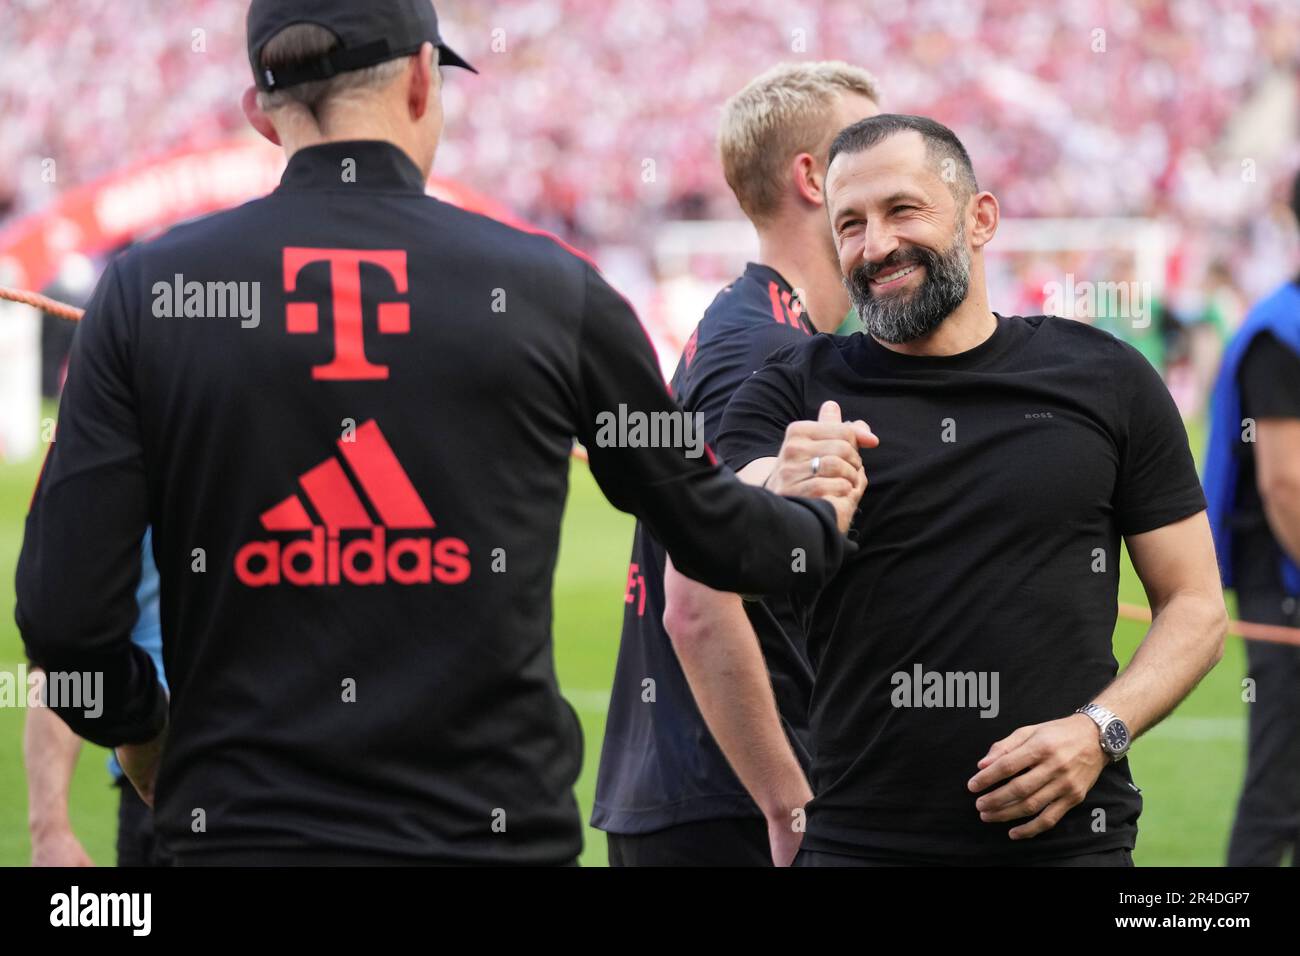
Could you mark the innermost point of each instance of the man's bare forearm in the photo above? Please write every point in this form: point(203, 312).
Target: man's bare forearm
point(1277, 467)
point(1189, 621)
point(1283, 513)
point(50, 751)
point(723, 663)
point(1184, 642)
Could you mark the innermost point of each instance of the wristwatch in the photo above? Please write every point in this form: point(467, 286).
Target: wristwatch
point(1115, 738)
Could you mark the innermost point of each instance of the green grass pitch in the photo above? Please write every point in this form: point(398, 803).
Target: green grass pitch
point(1189, 768)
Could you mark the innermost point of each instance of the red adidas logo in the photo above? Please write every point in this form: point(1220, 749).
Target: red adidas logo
point(322, 558)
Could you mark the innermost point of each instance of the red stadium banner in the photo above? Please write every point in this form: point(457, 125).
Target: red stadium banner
point(152, 195)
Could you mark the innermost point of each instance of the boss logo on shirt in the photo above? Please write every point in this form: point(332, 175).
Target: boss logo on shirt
point(1038, 414)
point(347, 545)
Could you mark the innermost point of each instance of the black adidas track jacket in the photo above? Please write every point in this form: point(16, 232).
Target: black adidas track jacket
point(347, 409)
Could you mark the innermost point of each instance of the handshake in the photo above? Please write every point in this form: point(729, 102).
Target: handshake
point(820, 460)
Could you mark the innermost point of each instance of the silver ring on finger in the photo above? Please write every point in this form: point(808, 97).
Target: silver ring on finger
point(816, 465)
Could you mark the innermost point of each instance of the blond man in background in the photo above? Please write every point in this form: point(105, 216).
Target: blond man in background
point(665, 794)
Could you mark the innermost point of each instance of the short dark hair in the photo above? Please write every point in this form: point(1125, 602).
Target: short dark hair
point(940, 143)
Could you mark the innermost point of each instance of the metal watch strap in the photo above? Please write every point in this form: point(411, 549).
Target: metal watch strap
point(1098, 714)
point(1102, 717)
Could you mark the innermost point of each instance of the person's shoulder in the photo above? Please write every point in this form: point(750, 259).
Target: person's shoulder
point(494, 240)
point(1282, 298)
point(476, 234)
point(745, 303)
point(1268, 356)
point(731, 303)
point(1081, 342)
point(740, 327)
point(198, 233)
point(510, 237)
point(808, 352)
point(1264, 342)
point(137, 268)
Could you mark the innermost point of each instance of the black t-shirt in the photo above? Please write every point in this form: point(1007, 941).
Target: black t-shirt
point(660, 766)
point(1269, 380)
point(356, 492)
point(989, 546)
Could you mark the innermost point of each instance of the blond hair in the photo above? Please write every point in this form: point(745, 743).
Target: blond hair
point(778, 115)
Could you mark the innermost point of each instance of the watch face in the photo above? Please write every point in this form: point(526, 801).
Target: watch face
point(1116, 736)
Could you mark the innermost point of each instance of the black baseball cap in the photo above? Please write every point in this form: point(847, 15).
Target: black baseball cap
point(369, 32)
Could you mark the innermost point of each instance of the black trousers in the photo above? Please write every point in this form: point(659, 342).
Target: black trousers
point(735, 842)
point(1119, 857)
point(1268, 812)
point(137, 844)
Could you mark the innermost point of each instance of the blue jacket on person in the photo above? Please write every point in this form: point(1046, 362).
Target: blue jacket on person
point(1279, 314)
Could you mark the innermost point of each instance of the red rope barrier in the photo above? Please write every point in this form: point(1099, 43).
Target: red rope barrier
point(1247, 630)
point(42, 302)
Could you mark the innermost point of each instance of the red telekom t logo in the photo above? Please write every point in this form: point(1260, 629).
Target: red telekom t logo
point(302, 318)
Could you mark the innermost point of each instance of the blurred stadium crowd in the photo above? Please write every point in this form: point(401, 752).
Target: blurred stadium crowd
point(598, 120)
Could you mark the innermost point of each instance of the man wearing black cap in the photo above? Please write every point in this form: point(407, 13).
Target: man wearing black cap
point(356, 482)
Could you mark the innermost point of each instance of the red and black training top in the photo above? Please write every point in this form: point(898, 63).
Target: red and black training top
point(659, 765)
point(356, 497)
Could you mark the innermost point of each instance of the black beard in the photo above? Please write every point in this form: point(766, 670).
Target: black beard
point(904, 317)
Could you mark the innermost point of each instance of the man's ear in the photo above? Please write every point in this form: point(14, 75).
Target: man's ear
point(256, 118)
point(986, 215)
point(808, 179)
point(423, 76)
